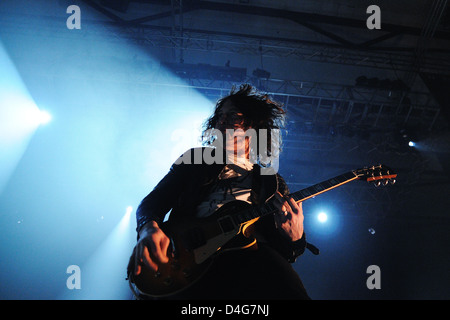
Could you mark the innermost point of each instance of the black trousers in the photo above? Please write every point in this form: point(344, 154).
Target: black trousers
point(247, 274)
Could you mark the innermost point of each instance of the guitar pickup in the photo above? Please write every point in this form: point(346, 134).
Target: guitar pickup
point(226, 224)
point(194, 238)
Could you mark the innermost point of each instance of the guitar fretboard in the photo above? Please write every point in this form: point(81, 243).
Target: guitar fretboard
point(302, 195)
point(323, 186)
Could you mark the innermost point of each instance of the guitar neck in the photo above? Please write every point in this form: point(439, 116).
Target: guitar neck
point(323, 186)
point(299, 196)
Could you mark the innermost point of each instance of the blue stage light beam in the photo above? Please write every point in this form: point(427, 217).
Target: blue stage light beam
point(119, 123)
point(103, 276)
point(19, 117)
point(44, 117)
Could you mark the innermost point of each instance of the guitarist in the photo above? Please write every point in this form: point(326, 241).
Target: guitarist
point(261, 271)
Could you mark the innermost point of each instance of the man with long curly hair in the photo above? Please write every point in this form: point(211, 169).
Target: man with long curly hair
point(231, 167)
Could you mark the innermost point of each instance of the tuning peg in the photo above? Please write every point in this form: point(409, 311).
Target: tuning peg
point(377, 184)
point(392, 181)
point(385, 182)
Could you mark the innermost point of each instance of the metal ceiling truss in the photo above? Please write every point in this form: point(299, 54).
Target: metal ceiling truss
point(336, 50)
point(369, 105)
point(221, 42)
point(340, 105)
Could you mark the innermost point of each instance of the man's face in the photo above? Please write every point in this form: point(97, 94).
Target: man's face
point(230, 117)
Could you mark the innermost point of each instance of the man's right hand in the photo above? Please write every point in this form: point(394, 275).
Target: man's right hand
point(151, 248)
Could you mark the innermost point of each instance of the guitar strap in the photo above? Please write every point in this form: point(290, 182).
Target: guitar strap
point(264, 187)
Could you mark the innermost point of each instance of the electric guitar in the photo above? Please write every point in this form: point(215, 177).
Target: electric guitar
point(195, 242)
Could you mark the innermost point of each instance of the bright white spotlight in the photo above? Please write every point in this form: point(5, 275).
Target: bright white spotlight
point(43, 117)
point(128, 213)
point(17, 117)
point(322, 217)
point(411, 144)
point(125, 221)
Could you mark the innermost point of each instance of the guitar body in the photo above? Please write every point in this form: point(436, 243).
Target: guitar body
point(194, 243)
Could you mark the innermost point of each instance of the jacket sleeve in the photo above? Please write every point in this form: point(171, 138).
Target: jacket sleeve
point(162, 198)
point(290, 250)
point(287, 248)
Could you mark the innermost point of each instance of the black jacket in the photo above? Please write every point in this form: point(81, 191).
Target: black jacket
point(186, 185)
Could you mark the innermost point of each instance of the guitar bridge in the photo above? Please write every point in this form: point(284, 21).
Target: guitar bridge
point(226, 224)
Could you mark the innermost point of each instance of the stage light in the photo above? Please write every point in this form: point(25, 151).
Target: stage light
point(411, 144)
point(128, 212)
point(97, 133)
point(19, 117)
point(101, 274)
point(43, 117)
point(325, 221)
point(322, 217)
point(124, 224)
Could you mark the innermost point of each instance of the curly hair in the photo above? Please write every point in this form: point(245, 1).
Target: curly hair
point(259, 112)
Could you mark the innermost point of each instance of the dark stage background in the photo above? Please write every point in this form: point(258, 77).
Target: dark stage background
point(97, 100)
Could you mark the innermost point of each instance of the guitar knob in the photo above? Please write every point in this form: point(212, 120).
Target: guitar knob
point(175, 266)
point(187, 272)
point(157, 274)
point(168, 281)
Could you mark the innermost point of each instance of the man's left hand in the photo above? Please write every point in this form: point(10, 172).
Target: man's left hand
point(289, 218)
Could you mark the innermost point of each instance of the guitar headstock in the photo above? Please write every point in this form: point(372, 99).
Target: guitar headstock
point(379, 175)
